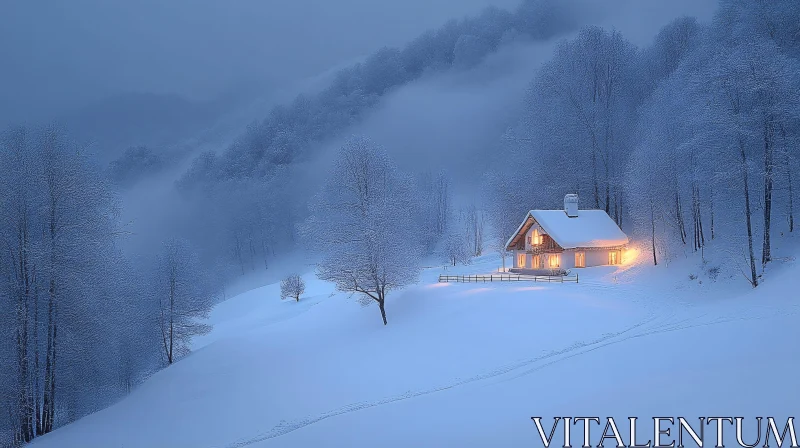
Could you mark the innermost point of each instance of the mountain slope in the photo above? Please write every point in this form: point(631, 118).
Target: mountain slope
point(464, 364)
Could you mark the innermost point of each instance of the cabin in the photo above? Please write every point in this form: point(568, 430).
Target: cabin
point(552, 241)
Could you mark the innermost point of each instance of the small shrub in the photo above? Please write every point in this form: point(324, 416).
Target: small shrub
point(292, 286)
point(692, 277)
point(713, 273)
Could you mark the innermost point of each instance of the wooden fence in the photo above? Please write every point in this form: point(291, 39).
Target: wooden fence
point(483, 278)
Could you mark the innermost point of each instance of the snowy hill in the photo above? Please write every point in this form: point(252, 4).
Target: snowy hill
point(465, 365)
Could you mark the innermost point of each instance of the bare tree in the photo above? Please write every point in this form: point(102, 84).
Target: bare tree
point(587, 89)
point(456, 245)
point(435, 206)
point(473, 221)
point(57, 230)
point(184, 298)
point(505, 204)
point(364, 224)
point(292, 286)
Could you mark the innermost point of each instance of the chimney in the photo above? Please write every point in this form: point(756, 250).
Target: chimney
point(571, 205)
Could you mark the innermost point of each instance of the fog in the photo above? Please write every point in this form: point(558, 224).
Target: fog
point(448, 121)
point(63, 55)
point(453, 121)
point(57, 55)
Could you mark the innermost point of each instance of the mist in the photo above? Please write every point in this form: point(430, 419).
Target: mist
point(454, 121)
point(445, 121)
point(62, 55)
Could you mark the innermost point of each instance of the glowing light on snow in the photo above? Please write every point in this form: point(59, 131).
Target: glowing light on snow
point(530, 288)
point(470, 292)
point(630, 255)
point(437, 285)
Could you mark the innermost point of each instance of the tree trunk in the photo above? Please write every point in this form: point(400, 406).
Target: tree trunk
point(608, 192)
point(695, 238)
point(381, 303)
point(791, 200)
point(595, 187)
point(697, 219)
point(264, 250)
point(252, 251)
point(25, 403)
point(766, 255)
point(238, 249)
point(711, 206)
point(47, 401)
point(37, 392)
point(653, 231)
point(51, 412)
point(700, 219)
point(172, 286)
point(679, 217)
point(747, 213)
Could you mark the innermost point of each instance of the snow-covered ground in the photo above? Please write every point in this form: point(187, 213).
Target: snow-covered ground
point(467, 365)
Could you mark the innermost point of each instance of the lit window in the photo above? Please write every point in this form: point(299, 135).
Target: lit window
point(535, 238)
point(537, 262)
point(553, 260)
point(580, 259)
point(613, 257)
point(521, 260)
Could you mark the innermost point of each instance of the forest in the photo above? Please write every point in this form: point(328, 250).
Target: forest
point(690, 144)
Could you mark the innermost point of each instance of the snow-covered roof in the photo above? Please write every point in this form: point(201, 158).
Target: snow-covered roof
point(591, 228)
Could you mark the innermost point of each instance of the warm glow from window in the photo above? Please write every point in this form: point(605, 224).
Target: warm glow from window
point(580, 259)
point(614, 257)
point(554, 261)
point(537, 262)
point(630, 256)
point(521, 260)
point(535, 238)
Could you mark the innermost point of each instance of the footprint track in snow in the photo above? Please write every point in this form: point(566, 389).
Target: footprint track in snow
point(286, 427)
point(657, 324)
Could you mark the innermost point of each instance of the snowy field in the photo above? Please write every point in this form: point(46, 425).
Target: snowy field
point(466, 365)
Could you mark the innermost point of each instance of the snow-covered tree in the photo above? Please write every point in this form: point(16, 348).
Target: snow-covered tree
point(473, 222)
point(455, 247)
point(184, 298)
point(753, 95)
point(673, 43)
point(364, 224)
point(435, 205)
point(292, 286)
point(60, 297)
point(714, 136)
point(505, 203)
point(582, 136)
